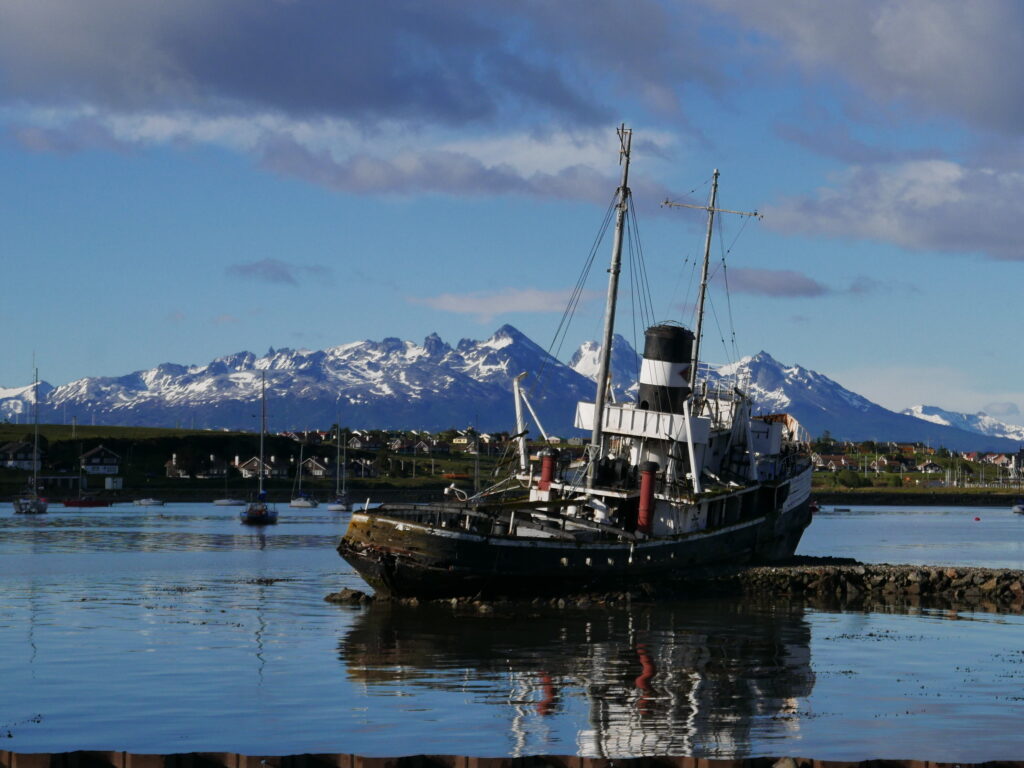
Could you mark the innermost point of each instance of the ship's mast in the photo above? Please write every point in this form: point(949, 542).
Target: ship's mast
point(625, 140)
point(703, 283)
point(712, 210)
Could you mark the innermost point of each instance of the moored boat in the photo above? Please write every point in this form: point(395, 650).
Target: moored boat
point(1018, 507)
point(149, 502)
point(228, 502)
point(684, 476)
point(301, 499)
point(260, 511)
point(340, 502)
point(30, 502)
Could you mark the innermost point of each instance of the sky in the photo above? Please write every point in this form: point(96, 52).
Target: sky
point(181, 181)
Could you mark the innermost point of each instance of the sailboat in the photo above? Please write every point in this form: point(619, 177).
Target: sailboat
point(685, 476)
point(340, 502)
point(260, 512)
point(31, 503)
point(302, 500)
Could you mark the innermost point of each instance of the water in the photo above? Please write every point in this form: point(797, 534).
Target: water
point(176, 629)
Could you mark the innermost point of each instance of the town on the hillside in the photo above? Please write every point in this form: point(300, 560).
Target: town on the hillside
point(844, 464)
point(121, 462)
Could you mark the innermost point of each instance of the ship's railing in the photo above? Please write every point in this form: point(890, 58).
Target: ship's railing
point(718, 389)
point(721, 382)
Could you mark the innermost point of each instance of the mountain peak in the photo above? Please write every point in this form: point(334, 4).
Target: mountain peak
point(508, 332)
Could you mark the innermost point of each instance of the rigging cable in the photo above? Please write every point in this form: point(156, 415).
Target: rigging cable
point(555, 348)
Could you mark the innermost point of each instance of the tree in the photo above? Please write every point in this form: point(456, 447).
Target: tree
point(850, 479)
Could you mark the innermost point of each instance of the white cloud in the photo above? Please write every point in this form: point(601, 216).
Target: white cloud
point(920, 204)
point(941, 57)
point(485, 306)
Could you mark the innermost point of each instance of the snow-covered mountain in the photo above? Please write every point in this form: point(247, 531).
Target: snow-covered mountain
point(374, 384)
point(979, 422)
point(625, 366)
point(404, 385)
point(821, 404)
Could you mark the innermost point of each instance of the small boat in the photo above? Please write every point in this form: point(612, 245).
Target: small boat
point(149, 502)
point(685, 476)
point(260, 512)
point(30, 502)
point(340, 502)
point(1018, 507)
point(227, 502)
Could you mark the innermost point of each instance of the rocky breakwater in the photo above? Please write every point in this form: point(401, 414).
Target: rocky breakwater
point(853, 583)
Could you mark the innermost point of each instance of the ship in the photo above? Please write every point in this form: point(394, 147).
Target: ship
point(685, 476)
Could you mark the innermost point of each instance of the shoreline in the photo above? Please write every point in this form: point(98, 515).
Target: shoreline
point(883, 498)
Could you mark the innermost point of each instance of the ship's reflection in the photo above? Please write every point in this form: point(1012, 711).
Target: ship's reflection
point(693, 678)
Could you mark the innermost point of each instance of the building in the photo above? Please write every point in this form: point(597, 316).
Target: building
point(18, 455)
point(100, 461)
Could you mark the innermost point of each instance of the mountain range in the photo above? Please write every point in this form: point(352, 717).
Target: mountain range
point(396, 384)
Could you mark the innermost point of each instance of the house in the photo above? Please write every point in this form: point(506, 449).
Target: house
point(832, 462)
point(930, 467)
point(317, 467)
point(270, 468)
point(100, 461)
point(18, 455)
point(175, 470)
point(362, 443)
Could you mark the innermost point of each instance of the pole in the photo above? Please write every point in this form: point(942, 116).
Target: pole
point(625, 141)
point(703, 282)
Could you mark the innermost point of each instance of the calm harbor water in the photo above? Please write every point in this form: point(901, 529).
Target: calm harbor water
point(176, 629)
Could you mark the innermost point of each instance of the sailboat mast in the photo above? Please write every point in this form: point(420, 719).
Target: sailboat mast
point(35, 432)
point(703, 283)
point(263, 425)
point(625, 140)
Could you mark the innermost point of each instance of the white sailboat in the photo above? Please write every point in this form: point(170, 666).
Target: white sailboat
point(260, 512)
point(302, 500)
point(340, 502)
point(31, 503)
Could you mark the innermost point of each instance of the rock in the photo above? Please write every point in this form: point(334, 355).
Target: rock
point(989, 585)
point(348, 597)
point(785, 762)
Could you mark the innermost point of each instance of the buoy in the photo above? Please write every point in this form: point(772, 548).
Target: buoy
point(977, 519)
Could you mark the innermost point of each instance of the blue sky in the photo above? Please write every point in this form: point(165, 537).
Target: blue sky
point(180, 181)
